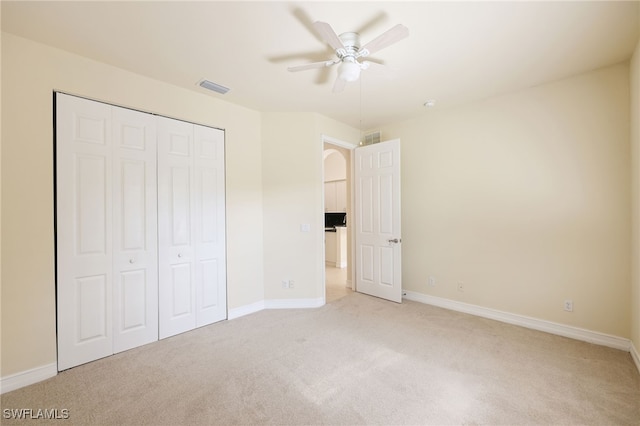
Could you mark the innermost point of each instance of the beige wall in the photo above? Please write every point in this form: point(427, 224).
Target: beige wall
point(30, 73)
point(292, 194)
point(525, 199)
point(635, 147)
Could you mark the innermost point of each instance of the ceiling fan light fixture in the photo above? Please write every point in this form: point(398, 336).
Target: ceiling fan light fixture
point(349, 70)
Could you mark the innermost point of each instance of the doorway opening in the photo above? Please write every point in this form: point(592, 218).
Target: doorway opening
point(337, 215)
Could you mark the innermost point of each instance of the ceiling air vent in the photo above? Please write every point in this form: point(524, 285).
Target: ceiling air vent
point(213, 86)
point(371, 138)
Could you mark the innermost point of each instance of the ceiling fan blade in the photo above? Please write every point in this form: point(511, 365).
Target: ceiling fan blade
point(328, 34)
point(339, 85)
point(385, 39)
point(311, 66)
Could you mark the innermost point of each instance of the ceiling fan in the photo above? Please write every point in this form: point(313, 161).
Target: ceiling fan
point(349, 51)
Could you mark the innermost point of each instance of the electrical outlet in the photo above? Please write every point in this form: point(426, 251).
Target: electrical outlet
point(460, 286)
point(432, 280)
point(291, 283)
point(285, 284)
point(568, 305)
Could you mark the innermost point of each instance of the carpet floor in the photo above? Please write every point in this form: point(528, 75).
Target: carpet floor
point(358, 360)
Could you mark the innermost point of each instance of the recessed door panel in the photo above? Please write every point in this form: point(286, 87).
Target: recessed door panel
point(91, 181)
point(208, 148)
point(91, 308)
point(385, 159)
point(386, 266)
point(180, 143)
point(133, 291)
point(385, 217)
point(366, 201)
point(208, 211)
point(134, 212)
point(180, 193)
point(90, 127)
point(133, 135)
point(367, 265)
point(182, 290)
point(210, 296)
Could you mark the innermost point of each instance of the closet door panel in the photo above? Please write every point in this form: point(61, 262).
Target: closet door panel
point(83, 230)
point(210, 226)
point(176, 207)
point(135, 269)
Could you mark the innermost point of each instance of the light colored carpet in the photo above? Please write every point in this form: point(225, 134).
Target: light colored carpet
point(358, 360)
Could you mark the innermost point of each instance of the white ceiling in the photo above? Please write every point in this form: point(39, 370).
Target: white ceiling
point(456, 51)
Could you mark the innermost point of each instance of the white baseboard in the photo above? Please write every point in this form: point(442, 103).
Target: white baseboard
point(29, 377)
point(635, 355)
point(275, 304)
point(245, 310)
point(524, 321)
point(293, 303)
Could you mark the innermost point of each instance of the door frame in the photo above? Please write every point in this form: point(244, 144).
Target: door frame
point(351, 146)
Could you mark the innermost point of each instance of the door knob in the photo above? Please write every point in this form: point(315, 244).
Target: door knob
point(132, 260)
point(179, 254)
point(395, 240)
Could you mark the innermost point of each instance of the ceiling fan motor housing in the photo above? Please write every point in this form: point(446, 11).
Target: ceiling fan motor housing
point(351, 42)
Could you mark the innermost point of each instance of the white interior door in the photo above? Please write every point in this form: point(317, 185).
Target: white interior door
point(83, 230)
point(210, 267)
point(135, 230)
point(378, 224)
point(176, 227)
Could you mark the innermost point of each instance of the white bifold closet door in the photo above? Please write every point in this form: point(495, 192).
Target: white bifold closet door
point(106, 230)
point(140, 220)
point(191, 237)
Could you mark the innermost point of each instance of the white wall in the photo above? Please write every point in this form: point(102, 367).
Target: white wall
point(635, 148)
point(30, 73)
point(525, 199)
point(292, 193)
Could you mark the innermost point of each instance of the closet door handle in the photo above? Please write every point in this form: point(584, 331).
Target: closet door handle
point(179, 254)
point(132, 260)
